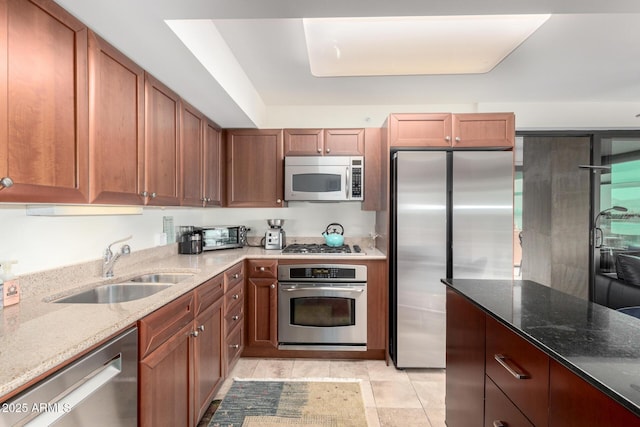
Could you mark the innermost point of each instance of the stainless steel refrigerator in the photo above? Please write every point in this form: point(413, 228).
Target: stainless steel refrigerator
point(451, 216)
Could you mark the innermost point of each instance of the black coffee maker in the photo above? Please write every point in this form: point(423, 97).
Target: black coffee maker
point(190, 242)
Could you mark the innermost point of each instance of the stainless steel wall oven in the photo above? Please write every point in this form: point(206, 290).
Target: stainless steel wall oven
point(322, 307)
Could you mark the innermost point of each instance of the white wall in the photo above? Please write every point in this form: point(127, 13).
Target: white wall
point(45, 242)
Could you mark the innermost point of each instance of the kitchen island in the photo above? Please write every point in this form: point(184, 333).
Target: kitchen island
point(539, 354)
point(38, 336)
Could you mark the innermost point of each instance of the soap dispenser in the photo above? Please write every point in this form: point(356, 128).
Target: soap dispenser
point(11, 286)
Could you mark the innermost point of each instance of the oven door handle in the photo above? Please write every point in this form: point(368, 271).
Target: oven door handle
point(326, 288)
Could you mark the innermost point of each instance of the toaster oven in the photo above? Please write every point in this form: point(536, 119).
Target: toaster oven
point(223, 237)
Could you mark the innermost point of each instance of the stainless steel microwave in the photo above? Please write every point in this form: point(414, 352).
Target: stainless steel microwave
point(223, 237)
point(324, 178)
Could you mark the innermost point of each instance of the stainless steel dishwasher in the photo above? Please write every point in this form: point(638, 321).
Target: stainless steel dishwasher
point(100, 389)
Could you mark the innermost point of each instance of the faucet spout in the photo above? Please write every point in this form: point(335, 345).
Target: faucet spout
point(110, 259)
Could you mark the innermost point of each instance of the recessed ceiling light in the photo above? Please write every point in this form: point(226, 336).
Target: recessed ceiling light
point(414, 45)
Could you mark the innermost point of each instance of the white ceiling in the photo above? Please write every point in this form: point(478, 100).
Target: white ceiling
point(588, 51)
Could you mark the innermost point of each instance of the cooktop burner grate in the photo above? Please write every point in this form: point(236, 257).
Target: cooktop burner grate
point(312, 248)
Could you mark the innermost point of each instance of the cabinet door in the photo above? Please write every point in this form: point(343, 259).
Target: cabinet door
point(303, 142)
point(255, 168)
point(207, 352)
point(161, 143)
point(344, 142)
point(465, 362)
point(262, 313)
point(191, 146)
point(420, 130)
point(376, 155)
point(574, 402)
point(483, 130)
point(213, 167)
point(44, 108)
point(116, 125)
point(166, 378)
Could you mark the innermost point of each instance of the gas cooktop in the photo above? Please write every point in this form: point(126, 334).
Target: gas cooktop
point(313, 248)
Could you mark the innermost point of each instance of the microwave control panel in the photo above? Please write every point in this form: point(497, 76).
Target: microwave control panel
point(356, 179)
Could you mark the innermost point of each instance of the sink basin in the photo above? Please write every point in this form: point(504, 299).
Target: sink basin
point(114, 293)
point(161, 278)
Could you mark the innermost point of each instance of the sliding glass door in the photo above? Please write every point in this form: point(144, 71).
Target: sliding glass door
point(616, 224)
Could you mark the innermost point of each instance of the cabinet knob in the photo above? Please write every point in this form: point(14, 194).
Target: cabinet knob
point(144, 194)
point(5, 182)
point(262, 269)
point(235, 346)
point(457, 139)
point(235, 296)
point(235, 276)
point(319, 150)
point(498, 423)
point(447, 138)
point(279, 201)
point(153, 195)
point(273, 286)
point(328, 150)
point(201, 328)
point(235, 317)
point(195, 334)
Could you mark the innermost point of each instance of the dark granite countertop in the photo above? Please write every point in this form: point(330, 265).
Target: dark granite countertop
point(599, 344)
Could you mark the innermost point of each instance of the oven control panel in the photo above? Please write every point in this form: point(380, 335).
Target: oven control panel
point(322, 272)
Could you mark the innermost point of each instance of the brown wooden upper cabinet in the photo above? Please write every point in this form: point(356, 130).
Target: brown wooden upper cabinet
point(44, 109)
point(213, 168)
point(452, 130)
point(162, 130)
point(255, 164)
point(200, 159)
point(116, 125)
point(324, 142)
point(191, 162)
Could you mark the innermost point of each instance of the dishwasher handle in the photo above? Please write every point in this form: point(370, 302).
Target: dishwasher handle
point(74, 395)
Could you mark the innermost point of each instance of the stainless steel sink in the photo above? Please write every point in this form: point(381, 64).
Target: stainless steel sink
point(161, 278)
point(135, 288)
point(114, 293)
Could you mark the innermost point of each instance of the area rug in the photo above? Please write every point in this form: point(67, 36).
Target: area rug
point(272, 403)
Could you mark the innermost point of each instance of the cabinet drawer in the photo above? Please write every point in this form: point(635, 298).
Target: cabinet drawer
point(233, 276)
point(208, 293)
point(233, 318)
point(233, 297)
point(263, 269)
point(499, 410)
point(234, 346)
point(519, 369)
point(164, 323)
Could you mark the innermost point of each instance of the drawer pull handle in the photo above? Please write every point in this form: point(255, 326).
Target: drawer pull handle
point(235, 317)
point(262, 269)
point(235, 346)
point(498, 423)
point(502, 360)
point(236, 296)
point(235, 276)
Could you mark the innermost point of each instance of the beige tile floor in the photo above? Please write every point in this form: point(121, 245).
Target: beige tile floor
point(407, 398)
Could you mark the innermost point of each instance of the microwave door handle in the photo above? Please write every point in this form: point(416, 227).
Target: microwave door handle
point(347, 186)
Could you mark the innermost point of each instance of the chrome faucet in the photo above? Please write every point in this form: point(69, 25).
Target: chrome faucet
point(109, 259)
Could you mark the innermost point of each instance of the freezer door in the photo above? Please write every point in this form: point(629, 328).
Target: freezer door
point(420, 258)
point(482, 215)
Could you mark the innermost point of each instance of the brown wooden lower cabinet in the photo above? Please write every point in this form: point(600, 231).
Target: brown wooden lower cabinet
point(184, 367)
point(481, 391)
point(262, 313)
point(465, 356)
point(166, 383)
point(575, 403)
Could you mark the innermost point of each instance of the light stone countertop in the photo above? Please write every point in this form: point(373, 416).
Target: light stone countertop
point(37, 336)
